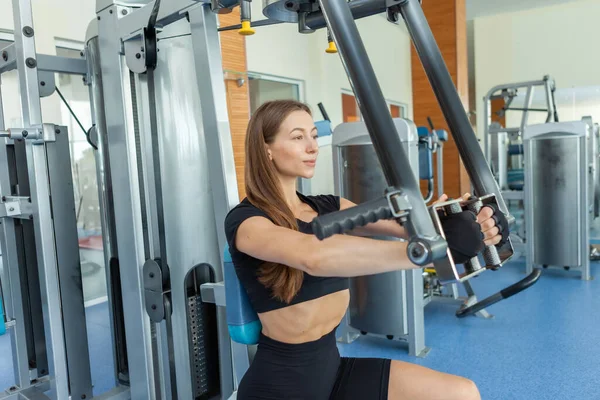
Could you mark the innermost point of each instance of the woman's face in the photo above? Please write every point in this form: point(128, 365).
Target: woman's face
point(294, 150)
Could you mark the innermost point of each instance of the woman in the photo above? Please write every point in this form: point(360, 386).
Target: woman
point(298, 285)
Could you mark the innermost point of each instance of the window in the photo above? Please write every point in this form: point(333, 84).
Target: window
point(265, 88)
point(83, 164)
point(351, 111)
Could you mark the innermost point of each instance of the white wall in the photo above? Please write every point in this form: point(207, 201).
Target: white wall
point(52, 19)
point(280, 50)
point(558, 40)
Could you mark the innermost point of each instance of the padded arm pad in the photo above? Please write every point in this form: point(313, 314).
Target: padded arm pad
point(242, 321)
point(425, 156)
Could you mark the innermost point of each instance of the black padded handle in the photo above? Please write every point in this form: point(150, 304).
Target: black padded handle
point(346, 220)
point(501, 295)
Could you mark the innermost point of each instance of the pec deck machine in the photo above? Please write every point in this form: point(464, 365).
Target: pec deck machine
point(181, 326)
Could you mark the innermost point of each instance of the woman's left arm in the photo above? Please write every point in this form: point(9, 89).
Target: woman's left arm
point(384, 227)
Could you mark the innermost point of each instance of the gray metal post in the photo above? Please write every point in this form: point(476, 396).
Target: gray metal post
point(109, 234)
point(40, 196)
point(211, 87)
point(11, 280)
point(415, 315)
point(155, 230)
point(69, 265)
point(527, 106)
point(125, 185)
point(440, 170)
point(487, 120)
point(450, 102)
point(378, 120)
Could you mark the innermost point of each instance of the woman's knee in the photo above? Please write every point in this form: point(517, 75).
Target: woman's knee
point(467, 390)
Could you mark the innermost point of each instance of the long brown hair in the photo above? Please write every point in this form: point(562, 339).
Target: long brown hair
point(264, 191)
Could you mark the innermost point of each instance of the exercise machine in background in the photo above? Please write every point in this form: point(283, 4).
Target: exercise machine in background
point(503, 144)
point(545, 166)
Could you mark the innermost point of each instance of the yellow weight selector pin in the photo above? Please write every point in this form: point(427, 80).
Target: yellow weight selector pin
point(246, 29)
point(332, 48)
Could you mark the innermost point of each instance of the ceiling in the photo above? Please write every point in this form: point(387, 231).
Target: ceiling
point(480, 8)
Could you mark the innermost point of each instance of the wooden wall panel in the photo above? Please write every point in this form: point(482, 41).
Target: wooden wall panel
point(447, 19)
point(233, 52)
point(495, 106)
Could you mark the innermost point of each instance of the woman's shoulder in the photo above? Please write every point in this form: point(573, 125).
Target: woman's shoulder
point(245, 209)
point(238, 214)
point(325, 203)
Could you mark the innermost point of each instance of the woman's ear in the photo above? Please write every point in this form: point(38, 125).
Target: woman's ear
point(269, 154)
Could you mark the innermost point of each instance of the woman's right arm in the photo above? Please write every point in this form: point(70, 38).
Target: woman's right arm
point(339, 255)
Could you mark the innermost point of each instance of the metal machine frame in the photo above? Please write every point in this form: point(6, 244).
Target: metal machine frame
point(148, 313)
point(42, 279)
point(508, 91)
point(497, 138)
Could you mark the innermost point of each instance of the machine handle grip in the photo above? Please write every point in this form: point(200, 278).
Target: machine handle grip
point(346, 220)
point(490, 253)
point(503, 294)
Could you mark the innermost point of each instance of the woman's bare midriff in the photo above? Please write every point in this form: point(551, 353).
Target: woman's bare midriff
point(305, 322)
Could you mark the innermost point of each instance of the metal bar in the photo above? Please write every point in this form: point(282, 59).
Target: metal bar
point(8, 61)
point(528, 203)
point(107, 214)
point(528, 100)
point(527, 109)
point(487, 107)
point(125, 186)
point(28, 259)
point(149, 168)
point(440, 170)
point(69, 265)
point(415, 313)
point(156, 238)
point(549, 101)
point(40, 196)
point(132, 24)
point(211, 87)
point(386, 141)
point(487, 120)
point(48, 269)
point(516, 85)
point(584, 204)
point(450, 102)
point(207, 53)
point(11, 279)
point(65, 65)
point(358, 8)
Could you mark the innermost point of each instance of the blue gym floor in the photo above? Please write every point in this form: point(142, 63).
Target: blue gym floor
point(542, 344)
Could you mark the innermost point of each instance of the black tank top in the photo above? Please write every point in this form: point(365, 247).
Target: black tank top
point(246, 267)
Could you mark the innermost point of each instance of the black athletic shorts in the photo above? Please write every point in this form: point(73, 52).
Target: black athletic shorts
point(312, 371)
